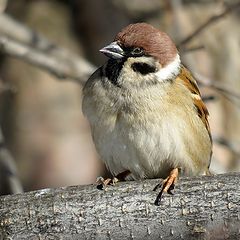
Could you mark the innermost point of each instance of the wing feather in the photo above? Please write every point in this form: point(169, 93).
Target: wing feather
point(188, 80)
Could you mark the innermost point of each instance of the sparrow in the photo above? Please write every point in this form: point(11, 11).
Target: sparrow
point(145, 110)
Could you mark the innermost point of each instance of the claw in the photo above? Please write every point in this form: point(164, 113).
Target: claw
point(167, 185)
point(102, 183)
point(169, 191)
point(157, 186)
point(158, 198)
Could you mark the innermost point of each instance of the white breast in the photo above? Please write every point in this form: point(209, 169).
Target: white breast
point(144, 136)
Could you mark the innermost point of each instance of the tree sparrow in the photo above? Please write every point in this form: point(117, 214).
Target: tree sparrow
point(145, 110)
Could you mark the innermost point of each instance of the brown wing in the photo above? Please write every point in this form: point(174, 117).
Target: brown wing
point(188, 80)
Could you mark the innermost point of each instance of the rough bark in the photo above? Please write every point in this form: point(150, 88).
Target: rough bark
point(201, 208)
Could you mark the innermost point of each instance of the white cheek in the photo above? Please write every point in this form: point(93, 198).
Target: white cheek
point(128, 76)
point(170, 71)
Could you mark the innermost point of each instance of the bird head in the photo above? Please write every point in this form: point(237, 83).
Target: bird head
point(143, 50)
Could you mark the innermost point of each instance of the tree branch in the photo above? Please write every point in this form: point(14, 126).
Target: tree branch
point(60, 67)
point(229, 9)
point(21, 33)
point(10, 183)
point(229, 94)
point(22, 42)
point(13, 29)
point(201, 208)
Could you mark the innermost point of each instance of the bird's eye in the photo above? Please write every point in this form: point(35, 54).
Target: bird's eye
point(137, 51)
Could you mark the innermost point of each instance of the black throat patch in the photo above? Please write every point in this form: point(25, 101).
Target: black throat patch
point(113, 70)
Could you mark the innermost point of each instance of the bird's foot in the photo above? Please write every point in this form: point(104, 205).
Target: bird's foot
point(102, 183)
point(167, 185)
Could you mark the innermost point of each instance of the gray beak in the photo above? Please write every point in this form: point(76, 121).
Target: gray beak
point(113, 50)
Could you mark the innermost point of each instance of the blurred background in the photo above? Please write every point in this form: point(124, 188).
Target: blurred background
point(45, 140)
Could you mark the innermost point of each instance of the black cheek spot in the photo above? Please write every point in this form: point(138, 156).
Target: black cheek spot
point(143, 68)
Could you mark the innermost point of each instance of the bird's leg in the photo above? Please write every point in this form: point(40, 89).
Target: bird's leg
point(167, 185)
point(102, 183)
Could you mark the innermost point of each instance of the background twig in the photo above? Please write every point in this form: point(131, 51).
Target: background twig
point(10, 183)
point(229, 94)
point(61, 67)
point(229, 9)
point(22, 42)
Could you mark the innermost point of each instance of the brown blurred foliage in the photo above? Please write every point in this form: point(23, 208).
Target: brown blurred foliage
point(42, 120)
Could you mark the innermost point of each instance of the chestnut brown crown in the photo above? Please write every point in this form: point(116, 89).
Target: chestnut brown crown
point(154, 42)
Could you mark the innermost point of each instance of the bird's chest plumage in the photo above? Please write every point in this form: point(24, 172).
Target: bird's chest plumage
point(130, 139)
point(136, 131)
